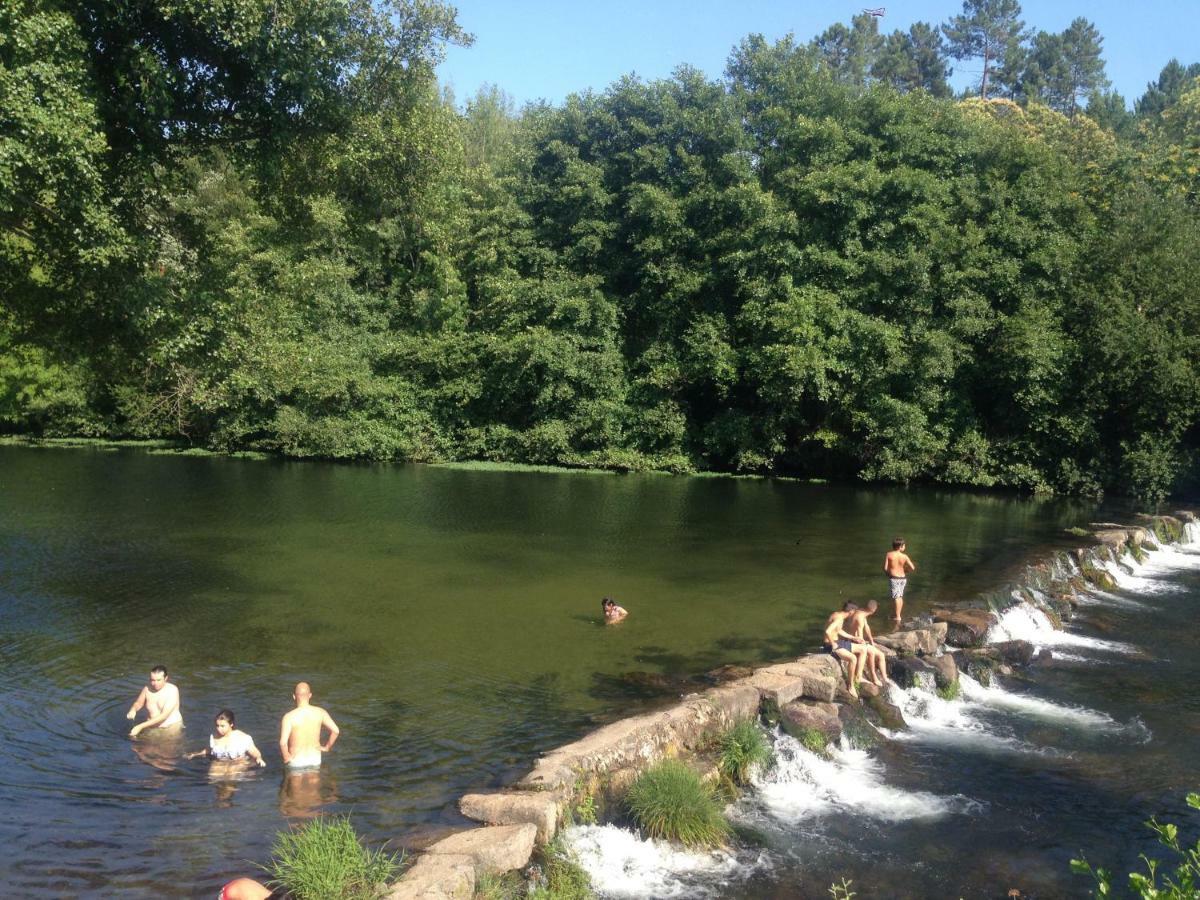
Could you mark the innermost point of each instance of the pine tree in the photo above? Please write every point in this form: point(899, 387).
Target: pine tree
point(990, 29)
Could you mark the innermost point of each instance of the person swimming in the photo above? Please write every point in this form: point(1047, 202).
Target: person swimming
point(612, 612)
point(228, 744)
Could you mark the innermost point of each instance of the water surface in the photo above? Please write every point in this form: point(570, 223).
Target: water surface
point(448, 619)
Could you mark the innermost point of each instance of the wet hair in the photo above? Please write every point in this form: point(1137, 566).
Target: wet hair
point(227, 715)
point(159, 670)
point(849, 606)
point(872, 605)
point(607, 602)
point(897, 543)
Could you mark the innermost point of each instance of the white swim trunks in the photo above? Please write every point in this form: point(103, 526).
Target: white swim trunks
point(306, 759)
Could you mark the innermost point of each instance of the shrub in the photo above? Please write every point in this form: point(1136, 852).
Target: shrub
point(566, 879)
point(1183, 884)
point(670, 801)
point(742, 747)
point(324, 860)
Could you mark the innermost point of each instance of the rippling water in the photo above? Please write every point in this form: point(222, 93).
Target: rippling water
point(448, 619)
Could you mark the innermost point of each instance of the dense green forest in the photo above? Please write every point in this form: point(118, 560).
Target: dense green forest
point(263, 225)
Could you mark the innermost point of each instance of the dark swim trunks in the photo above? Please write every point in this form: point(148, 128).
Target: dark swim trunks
point(842, 644)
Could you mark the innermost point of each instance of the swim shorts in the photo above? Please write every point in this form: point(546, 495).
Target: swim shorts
point(897, 586)
point(308, 759)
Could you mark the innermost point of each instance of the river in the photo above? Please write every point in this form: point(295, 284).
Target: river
point(449, 620)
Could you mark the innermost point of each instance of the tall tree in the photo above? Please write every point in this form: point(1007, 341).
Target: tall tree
point(913, 60)
point(1083, 66)
point(851, 52)
point(1109, 110)
point(1172, 81)
point(987, 30)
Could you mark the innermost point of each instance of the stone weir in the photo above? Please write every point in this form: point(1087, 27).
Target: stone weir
point(807, 697)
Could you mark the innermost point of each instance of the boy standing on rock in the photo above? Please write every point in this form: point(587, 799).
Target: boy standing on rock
point(897, 565)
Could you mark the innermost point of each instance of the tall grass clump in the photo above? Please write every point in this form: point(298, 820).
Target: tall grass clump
point(324, 860)
point(566, 879)
point(743, 747)
point(671, 802)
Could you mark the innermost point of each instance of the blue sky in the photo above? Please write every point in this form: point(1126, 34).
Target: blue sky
point(539, 49)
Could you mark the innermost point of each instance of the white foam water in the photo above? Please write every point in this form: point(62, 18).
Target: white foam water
point(1025, 622)
point(804, 785)
point(622, 864)
point(996, 697)
point(934, 720)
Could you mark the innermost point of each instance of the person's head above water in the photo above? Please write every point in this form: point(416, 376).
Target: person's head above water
point(849, 606)
point(302, 693)
point(898, 543)
point(227, 717)
point(607, 602)
point(158, 677)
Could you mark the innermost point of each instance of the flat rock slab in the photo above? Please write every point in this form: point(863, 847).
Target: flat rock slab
point(436, 877)
point(518, 808)
point(494, 849)
point(641, 740)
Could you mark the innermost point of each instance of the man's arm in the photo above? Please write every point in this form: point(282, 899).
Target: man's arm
point(909, 564)
point(867, 631)
point(165, 713)
point(137, 704)
point(887, 559)
point(334, 731)
point(285, 732)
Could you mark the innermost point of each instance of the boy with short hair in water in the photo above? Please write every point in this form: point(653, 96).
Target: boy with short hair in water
point(897, 565)
point(873, 656)
point(841, 644)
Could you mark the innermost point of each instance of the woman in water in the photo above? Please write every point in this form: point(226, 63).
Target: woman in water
point(612, 612)
point(227, 744)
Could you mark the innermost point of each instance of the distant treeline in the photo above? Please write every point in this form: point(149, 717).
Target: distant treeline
point(264, 225)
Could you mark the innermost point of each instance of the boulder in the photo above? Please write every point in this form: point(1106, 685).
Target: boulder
point(1015, 653)
point(802, 716)
point(822, 674)
point(924, 639)
point(911, 671)
point(514, 808)
point(945, 669)
point(867, 689)
point(493, 849)
point(965, 627)
point(1113, 538)
point(883, 713)
point(437, 877)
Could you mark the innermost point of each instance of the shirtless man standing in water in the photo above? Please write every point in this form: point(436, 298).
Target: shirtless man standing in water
point(897, 565)
point(300, 731)
point(161, 701)
point(842, 645)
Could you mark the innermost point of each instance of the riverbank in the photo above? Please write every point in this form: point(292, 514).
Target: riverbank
point(979, 639)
